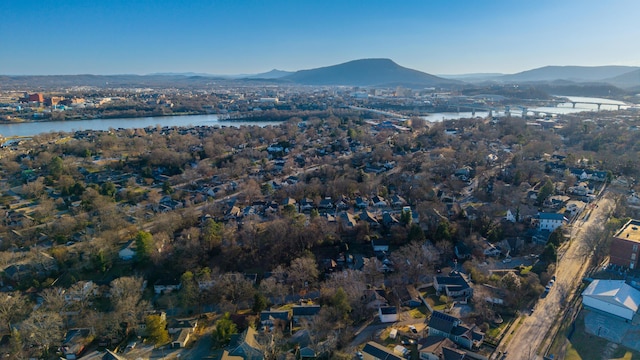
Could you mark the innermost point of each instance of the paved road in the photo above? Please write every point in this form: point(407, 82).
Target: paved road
point(526, 340)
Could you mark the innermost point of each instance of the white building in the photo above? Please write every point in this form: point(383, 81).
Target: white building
point(614, 297)
point(550, 221)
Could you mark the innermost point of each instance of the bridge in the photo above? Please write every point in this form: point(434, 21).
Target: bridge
point(573, 104)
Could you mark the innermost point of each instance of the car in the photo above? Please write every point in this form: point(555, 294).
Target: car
point(551, 282)
point(553, 278)
point(359, 355)
point(413, 329)
point(408, 342)
point(506, 260)
point(531, 311)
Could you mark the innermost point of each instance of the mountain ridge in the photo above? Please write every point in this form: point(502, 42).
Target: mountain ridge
point(367, 72)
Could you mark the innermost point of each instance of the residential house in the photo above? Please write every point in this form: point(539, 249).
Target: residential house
point(369, 218)
point(375, 351)
point(177, 325)
point(625, 246)
point(379, 201)
point(408, 296)
point(614, 297)
point(389, 220)
point(244, 346)
point(306, 204)
point(398, 201)
point(454, 285)
point(305, 312)
point(347, 221)
point(380, 245)
point(74, 343)
point(550, 221)
point(374, 298)
point(361, 203)
point(166, 285)
point(511, 217)
point(127, 252)
point(326, 204)
point(307, 353)
point(441, 324)
point(388, 314)
point(275, 318)
point(181, 339)
point(430, 347)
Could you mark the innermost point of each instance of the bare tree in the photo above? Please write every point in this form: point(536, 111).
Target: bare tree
point(13, 307)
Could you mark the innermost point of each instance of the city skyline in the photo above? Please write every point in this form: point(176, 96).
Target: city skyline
point(247, 37)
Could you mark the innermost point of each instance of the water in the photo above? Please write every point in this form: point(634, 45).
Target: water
point(562, 108)
point(34, 128)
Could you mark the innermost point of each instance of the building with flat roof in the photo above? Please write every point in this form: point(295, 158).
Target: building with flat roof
point(625, 246)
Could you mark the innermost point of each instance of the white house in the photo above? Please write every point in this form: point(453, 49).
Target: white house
point(388, 314)
point(127, 252)
point(614, 297)
point(550, 221)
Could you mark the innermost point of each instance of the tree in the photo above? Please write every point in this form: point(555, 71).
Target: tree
point(188, 295)
point(340, 302)
point(549, 254)
point(303, 271)
point(545, 192)
point(13, 307)
point(259, 303)
point(212, 233)
point(56, 167)
point(157, 329)
point(144, 246)
point(43, 329)
point(224, 329)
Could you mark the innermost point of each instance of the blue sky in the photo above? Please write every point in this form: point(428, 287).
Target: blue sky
point(237, 36)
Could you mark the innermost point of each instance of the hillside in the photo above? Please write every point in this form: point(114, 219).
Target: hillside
point(367, 72)
point(629, 80)
point(573, 73)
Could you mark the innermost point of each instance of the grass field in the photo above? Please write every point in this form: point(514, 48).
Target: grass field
point(584, 346)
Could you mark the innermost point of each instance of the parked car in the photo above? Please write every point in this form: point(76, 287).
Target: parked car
point(413, 329)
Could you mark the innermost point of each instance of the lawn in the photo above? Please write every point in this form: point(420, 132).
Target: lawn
point(419, 312)
point(584, 346)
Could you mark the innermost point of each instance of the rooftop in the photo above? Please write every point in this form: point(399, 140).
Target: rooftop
point(630, 231)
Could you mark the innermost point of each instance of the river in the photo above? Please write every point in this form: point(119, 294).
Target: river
point(34, 128)
point(582, 104)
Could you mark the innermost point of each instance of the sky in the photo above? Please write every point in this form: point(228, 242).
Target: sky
point(224, 37)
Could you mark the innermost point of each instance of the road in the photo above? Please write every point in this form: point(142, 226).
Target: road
point(534, 330)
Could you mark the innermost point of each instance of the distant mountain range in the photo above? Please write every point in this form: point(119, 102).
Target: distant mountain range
point(368, 72)
point(364, 72)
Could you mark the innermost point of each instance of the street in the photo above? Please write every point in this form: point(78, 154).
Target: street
point(526, 340)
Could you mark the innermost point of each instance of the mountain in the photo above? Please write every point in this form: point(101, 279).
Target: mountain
point(629, 80)
point(367, 72)
point(273, 74)
point(572, 73)
point(473, 78)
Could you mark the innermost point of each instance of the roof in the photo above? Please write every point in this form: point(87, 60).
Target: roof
point(388, 310)
point(306, 310)
point(453, 281)
point(433, 344)
point(615, 292)
point(452, 354)
point(247, 346)
point(630, 231)
point(551, 216)
point(377, 351)
point(276, 314)
point(442, 322)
